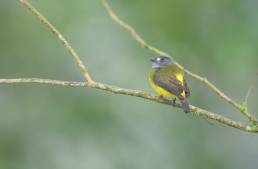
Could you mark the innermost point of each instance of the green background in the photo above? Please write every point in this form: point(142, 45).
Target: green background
point(62, 128)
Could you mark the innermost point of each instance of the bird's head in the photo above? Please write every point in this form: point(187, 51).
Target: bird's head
point(161, 61)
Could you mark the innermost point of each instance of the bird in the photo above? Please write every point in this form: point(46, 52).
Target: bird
point(168, 80)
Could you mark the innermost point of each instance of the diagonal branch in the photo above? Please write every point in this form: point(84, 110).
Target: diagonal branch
point(144, 44)
point(61, 38)
point(133, 32)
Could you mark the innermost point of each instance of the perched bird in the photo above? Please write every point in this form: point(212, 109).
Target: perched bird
point(168, 80)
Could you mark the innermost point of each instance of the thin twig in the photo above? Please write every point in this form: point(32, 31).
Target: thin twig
point(61, 38)
point(144, 44)
point(129, 28)
point(248, 93)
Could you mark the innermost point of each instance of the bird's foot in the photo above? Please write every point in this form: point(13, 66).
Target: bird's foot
point(174, 102)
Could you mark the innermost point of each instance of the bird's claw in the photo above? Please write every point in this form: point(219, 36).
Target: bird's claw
point(174, 102)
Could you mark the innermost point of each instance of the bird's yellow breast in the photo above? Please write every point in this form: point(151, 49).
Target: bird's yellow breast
point(179, 76)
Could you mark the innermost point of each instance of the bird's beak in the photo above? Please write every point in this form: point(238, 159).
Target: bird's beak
point(152, 60)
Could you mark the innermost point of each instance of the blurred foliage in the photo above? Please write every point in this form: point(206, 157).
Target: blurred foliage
point(58, 128)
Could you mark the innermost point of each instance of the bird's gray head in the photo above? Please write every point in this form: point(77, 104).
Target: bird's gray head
point(161, 61)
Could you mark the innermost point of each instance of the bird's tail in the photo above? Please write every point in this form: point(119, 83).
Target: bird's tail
point(185, 105)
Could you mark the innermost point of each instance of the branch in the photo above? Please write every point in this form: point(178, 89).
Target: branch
point(61, 39)
point(43, 81)
point(144, 44)
point(117, 90)
point(136, 93)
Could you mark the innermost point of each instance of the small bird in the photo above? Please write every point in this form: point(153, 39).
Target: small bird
point(168, 80)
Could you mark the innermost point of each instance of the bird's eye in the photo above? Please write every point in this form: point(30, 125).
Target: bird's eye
point(162, 59)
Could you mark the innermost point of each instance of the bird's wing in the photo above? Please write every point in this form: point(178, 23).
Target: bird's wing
point(170, 84)
point(187, 90)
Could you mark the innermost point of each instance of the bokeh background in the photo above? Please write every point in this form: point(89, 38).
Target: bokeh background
point(61, 128)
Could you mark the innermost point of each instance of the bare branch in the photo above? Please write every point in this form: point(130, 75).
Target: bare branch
point(61, 38)
point(129, 28)
point(140, 40)
point(137, 93)
point(43, 81)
